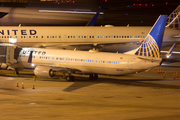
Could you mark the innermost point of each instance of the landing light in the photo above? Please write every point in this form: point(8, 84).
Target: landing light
point(32, 64)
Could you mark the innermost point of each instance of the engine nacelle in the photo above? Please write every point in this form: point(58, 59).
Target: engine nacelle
point(4, 66)
point(44, 71)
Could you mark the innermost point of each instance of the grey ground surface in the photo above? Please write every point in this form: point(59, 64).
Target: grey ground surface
point(142, 96)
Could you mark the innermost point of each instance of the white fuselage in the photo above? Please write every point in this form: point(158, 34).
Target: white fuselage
point(86, 62)
point(37, 36)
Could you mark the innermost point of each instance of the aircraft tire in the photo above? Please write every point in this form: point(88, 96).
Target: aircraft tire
point(91, 77)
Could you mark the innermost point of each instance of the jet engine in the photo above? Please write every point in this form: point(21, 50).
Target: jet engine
point(44, 71)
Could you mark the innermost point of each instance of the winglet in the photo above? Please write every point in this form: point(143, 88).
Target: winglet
point(170, 51)
point(93, 20)
point(30, 57)
point(151, 46)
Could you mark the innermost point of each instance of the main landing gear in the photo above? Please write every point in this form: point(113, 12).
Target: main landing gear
point(70, 78)
point(93, 76)
point(16, 71)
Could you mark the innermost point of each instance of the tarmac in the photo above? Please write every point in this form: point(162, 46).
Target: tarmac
point(142, 96)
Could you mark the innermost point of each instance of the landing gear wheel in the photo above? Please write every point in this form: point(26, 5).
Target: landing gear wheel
point(70, 78)
point(93, 76)
point(17, 72)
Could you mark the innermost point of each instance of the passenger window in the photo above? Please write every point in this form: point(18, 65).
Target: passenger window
point(64, 36)
point(29, 36)
point(60, 36)
point(84, 36)
point(47, 36)
point(92, 36)
point(36, 36)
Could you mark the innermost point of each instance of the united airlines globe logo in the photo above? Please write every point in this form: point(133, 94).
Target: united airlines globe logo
point(148, 48)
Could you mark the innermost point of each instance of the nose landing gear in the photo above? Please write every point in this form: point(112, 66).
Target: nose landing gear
point(93, 76)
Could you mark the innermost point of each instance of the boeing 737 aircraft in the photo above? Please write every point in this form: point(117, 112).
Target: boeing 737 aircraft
point(83, 38)
point(47, 61)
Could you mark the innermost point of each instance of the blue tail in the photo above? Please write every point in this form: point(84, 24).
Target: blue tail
point(173, 20)
point(151, 45)
point(93, 20)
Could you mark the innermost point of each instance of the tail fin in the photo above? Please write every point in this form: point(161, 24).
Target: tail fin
point(151, 45)
point(93, 20)
point(173, 20)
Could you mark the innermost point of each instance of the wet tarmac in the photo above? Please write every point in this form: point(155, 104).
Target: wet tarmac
point(142, 96)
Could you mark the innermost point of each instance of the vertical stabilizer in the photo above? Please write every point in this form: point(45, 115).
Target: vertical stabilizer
point(93, 20)
point(173, 20)
point(151, 45)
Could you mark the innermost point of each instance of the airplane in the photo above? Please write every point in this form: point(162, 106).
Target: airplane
point(107, 38)
point(46, 62)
